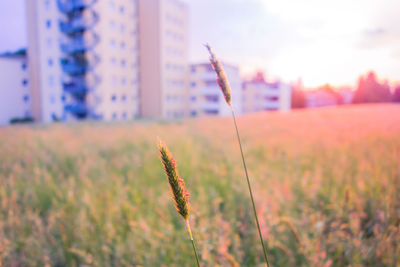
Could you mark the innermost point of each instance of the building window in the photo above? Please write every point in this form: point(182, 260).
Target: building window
point(112, 24)
point(113, 98)
point(47, 4)
point(192, 84)
point(50, 62)
point(24, 82)
point(63, 98)
point(123, 63)
point(211, 98)
point(51, 80)
point(123, 81)
point(24, 66)
point(52, 99)
point(26, 98)
point(114, 116)
point(113, 61)
point(123, 46)
point(111, 5)
point(112, 43)
point(123, 98)
point(124, 115)
point(121, 9)
point(193, 98)
point(48, 24)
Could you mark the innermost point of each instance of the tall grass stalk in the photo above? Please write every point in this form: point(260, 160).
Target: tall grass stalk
point(226, 90)
point(178, 190)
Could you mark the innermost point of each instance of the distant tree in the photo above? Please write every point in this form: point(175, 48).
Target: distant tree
point(369, 90)
point(298, 98)
point(330, 90)
point(396, 94)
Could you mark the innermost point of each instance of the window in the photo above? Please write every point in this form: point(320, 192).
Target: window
point(192, 84)
point(123, 63)
point(122, 28)
point(51, 80)
point(52, 99)
point(114, 116)
point(113, 98)
point(112, 43)
point(211, 98)
point(50, 62)
point(24, 82)
point(211, 111)
point(111, 5)
point(121, 9)
point(123, 81)
point(63, 98)
point(123, 98)
point(26, 98)
point(123, 45)
point(193, 98)
point(124, 115)
point(113, 61)
point(48, 24)
point(24, 66)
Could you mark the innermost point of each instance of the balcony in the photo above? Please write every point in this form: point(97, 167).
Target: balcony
point(79, 109)
point(80, 44)
point(68, 6)
point(74, 68)
point(79, 24)
point(75, 89)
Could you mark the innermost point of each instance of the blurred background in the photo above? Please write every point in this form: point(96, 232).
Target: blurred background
point(86, 86)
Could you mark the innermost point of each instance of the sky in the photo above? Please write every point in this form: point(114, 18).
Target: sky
point(319, 41)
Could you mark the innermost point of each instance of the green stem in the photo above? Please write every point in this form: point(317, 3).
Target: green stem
point(193, 244)
point(250, 191)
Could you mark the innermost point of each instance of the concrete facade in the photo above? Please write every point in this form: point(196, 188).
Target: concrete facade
point(163, 45)
point(16, 98)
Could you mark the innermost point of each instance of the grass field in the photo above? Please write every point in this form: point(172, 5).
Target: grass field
point(326, 184)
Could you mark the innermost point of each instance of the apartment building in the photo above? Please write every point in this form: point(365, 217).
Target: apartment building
point(85, 59)
point(15, 100)
point(163, 42)
point(206, 98)
point(261, 95)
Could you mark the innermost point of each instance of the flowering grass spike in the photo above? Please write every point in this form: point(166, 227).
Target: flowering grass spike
point(226, 89)
point(178, 190)
point(222, 79)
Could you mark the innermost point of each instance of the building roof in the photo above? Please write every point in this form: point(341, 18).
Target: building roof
point(16, 54)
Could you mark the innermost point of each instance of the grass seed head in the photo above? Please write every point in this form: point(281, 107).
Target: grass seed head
point(222, 79)
point(177, 185)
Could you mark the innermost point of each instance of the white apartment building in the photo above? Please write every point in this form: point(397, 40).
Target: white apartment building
point(206, 98)
point(163, 42)
point(260, 95)
point(15, 100)
point(84, 59)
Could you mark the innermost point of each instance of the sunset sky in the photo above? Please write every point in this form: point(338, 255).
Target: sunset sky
point(320, 41)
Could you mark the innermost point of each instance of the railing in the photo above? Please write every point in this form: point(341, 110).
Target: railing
point(78, 108)
point(80, 59)
point(79, 44)
point(78, 24)
point(68, 6)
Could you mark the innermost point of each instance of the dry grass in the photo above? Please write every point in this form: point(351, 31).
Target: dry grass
point(327, 185)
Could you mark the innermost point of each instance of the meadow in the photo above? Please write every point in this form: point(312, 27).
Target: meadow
point(326, 185)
